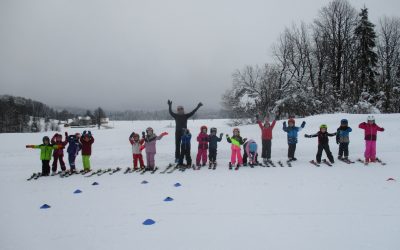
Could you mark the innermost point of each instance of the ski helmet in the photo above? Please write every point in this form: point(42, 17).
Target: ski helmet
point(371, 118)
point(213, 130)
point(149, 129)
point(203, 127)
point(344, 121)
point(135, 136)
point(236, 130)
point(323, 126)
point(46, 138)
point(291, 120)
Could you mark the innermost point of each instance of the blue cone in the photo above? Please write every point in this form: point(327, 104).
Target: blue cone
point(145, 182)
point(168, 199)
point(44, 206)
point(77, 191)
point(95, 183)
point(177, 184)
point(148, 222)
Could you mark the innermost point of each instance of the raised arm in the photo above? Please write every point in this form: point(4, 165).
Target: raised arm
point(273, 124)
point(170, 109)
point(194, 110)
point(285, 128)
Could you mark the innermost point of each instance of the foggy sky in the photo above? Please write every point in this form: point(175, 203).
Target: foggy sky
point(128, 54)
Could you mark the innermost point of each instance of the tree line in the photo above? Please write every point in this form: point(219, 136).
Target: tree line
point(341, 62)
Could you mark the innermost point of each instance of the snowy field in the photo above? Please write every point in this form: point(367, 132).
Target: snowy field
point(303, 207)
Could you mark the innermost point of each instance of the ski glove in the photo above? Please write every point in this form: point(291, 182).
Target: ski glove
point(164, 133)
point(29, 146)
point(169, 102)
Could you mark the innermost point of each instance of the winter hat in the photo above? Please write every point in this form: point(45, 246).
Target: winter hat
point(291, 120)
point(213, 130)
point(344, 121)
point(46, 138)
point(135, 136)
point(371, 118)
point(149, 129)
point(323, 126)
point(203, 127)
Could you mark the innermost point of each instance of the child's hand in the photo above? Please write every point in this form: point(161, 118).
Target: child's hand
point(164, 134)
point(227, 136)
point(307, 136)
point(221, 134)
point(66, 134)
point(169, 102)
point(84, 132)
point(29, 146)
point(143, 134)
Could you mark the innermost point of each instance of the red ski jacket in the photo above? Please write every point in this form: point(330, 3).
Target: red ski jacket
point(266, 131)
point(370, 130)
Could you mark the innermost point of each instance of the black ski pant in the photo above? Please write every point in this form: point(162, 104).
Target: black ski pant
point(71, 161)
point(266, 149)
point(324, 147)
point(185, 153)
point(45, 167)
point(291, 151)
point(344, 149)
point(178, 137)
point(212, 154)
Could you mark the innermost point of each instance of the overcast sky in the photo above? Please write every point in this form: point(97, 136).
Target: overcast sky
point(129, 54)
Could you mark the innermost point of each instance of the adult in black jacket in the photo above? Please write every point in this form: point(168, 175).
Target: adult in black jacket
point(180, 122)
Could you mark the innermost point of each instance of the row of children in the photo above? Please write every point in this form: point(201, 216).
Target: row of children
point(208, 143)
point(56, 146)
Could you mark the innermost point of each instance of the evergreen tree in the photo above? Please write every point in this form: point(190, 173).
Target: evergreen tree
point(367, 58)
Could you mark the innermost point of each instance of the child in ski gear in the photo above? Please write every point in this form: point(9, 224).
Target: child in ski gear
point(292, 132)
point(86, 140)
point(213, 145)
point(185, 148)
point(266, 137)
point(46, 150)
point(180, 122)
point(370, 135)
point(236, 141)
point(150, 140)
point(250, 152)
point(58, 154)
point(323, 142)
point(137, 147)
point(74, 146)
point(202, 138)
point(342, 138)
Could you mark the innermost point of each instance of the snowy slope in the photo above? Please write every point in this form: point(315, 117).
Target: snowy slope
point(344, 207)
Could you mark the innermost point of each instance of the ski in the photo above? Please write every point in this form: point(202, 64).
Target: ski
point(346, 160)
point(127, 170)
point(237, 167)
point(214, 165)
point(104, 172)
point(94, 173)
point(33, 176)
point(175, 167)
point(363, 162)
point(115, 170)
point(154, 170)
point(280, 164)
point(271, 163)
point(167, 168)
point(289, 163)
point(380, 161)
point(315, 163)
point(230, 166)
point(327, 162)
point(37, 176)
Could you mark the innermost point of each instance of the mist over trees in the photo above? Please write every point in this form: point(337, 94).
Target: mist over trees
point(341, 62)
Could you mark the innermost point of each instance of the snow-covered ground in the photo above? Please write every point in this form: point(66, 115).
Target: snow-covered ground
point(304, 207)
